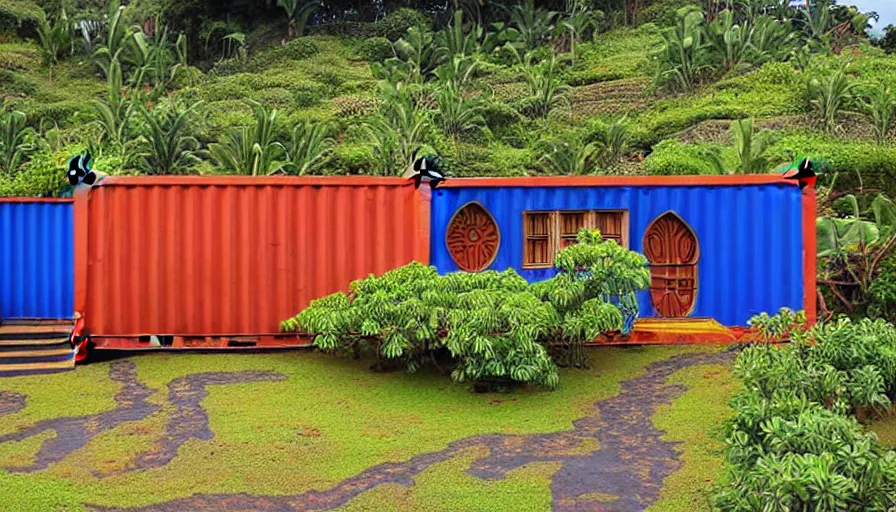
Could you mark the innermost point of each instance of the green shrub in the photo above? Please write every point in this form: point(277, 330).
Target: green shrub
point(13, 82)
point(296, 49)
point(397, 23)
point(663, 12)
point(375, 49)
point(673, 158)
point(20, 18)
point(42, 176)
point(499, 116)
point(494, 325)
point(791, 443)
point(345, 29)
point(496, 159)
point(351, 159)
point(882, 292)
point(299, 49)
point(63, 113)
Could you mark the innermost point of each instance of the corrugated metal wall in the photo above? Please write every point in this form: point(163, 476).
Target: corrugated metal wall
point(213, 256)
point(750, 236)
point(36, 259)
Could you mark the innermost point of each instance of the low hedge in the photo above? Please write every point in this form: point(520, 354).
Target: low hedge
point(794, 442)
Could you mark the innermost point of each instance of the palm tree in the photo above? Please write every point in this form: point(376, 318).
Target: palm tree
point(166, 148)
point(750, 148)
point(308, 149)
point(298, 13)
point(251, 150)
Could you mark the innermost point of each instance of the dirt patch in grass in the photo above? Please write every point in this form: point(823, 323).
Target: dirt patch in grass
point(886, 431)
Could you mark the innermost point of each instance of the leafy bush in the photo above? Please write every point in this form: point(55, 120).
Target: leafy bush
point(297, 49)
point(856, 163)
point(300, 49)
point(397, 23)
point(165, 146)
point(494, 325)
point(375, 49)
point(251, 150)
point(673, 158)
point(882, 292)
point(17, 142)
point(791, 444)
point(20, 17)
point(352, 159)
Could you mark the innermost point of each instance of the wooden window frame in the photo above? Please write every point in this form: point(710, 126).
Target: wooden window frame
point(555, 237)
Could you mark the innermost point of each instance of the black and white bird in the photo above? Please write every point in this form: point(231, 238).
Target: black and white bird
point(424, 170)
point(78, 168)
point(79, 171)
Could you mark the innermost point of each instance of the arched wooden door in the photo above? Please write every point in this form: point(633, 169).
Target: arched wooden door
point(672, 250)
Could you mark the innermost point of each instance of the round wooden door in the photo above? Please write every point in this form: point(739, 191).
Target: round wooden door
point(672, 250)
point(473, 238)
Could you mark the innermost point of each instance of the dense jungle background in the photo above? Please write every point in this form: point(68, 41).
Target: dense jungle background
point(573, 87)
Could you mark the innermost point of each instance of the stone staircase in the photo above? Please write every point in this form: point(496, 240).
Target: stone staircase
point(29, 349)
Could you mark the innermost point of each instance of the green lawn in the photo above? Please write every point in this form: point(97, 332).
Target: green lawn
point(331, 419)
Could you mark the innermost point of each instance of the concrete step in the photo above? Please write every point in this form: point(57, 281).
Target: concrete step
point(33, 335)
point(15, 344)
point(39, 367)
point(35, 357)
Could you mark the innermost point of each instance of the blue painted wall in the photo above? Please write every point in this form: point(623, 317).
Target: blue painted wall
point(750, 236)
point(36, 260)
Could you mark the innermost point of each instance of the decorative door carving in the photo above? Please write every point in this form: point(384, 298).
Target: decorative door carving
point(672, 250)
point(473, 238)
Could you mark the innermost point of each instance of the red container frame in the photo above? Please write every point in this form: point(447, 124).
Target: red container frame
point(222, 257)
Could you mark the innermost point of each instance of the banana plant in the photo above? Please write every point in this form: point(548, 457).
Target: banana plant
point(851, 248)
point(730, 41)
point(17, 141)
point(684, 59)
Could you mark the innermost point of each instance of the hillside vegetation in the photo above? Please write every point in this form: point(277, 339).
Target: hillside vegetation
point(507, 89)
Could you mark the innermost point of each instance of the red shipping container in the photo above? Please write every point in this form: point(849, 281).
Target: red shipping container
point(200, 256)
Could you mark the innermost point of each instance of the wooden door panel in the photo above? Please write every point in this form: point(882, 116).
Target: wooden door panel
point(672, 251)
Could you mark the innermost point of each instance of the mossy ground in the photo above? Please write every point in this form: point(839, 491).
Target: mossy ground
point(330, 420)
point(886, 431)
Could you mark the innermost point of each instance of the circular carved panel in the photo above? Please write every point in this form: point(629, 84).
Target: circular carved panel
point(473, 238)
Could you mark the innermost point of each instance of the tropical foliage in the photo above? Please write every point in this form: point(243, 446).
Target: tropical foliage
point(793, 442)
point(490, 327)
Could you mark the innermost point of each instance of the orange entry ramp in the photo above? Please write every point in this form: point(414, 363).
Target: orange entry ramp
point(678, 331)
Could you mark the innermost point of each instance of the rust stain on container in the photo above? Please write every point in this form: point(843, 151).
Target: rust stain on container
point(229, 255)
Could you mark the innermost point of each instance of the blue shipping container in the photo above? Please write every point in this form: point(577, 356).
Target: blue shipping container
point(749, 236)
point(36, 259)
